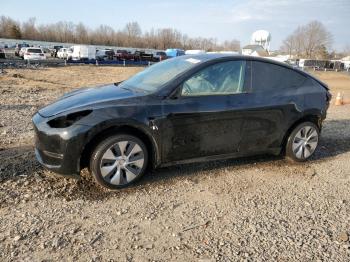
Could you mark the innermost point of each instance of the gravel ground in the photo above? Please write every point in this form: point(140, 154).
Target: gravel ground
point(251, 209)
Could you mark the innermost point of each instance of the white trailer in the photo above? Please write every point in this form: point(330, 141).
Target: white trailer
point(83, 52)
point(194, 52)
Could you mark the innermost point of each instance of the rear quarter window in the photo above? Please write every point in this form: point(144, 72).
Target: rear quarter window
point(268, 77)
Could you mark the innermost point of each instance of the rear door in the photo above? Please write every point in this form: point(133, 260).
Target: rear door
point(275, 101)
point(205, 120)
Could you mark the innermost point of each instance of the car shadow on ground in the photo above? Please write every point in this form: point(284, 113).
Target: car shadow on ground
point(19, 163)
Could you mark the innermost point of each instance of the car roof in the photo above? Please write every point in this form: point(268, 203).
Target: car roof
point(219, 56)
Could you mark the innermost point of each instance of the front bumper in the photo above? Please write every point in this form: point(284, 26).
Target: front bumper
point(59, 149)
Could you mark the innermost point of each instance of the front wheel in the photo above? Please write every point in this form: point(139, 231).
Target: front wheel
point(302, 142)
point(119, 161)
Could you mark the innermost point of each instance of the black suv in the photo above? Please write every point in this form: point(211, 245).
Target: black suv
point(181, 110)
point(143, 56)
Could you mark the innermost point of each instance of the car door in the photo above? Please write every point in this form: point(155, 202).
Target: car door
point(274, 103)
point(205, 118)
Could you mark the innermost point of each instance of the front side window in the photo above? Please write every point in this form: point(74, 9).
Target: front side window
point(219, 79)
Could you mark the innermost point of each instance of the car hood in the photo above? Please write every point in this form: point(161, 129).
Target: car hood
point(83, 98)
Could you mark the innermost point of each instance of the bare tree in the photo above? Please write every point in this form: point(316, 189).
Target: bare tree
point(289, 45)
point(133, 32)
point(310, 41)
point(15, 32)
point(81, 33)
point(231, 45)
point(9, 28)
point(317, 38)
point(151, 39)
point(133, 29)
point(347, 50)
point(29, 30)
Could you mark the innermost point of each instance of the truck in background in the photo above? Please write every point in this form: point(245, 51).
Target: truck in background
point(83, 52)
point(173, 52)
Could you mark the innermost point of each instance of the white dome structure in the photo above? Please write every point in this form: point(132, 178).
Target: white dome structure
point(261, 37)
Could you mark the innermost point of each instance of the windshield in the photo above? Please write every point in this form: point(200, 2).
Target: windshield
point(155, 76)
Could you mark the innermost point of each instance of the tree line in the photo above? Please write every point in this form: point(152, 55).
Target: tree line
point(129, 36)
point(312, 40)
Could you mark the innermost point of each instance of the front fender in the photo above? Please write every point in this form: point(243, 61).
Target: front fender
point(107, 127)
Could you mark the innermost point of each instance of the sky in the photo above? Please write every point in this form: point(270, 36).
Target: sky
point(220, 19)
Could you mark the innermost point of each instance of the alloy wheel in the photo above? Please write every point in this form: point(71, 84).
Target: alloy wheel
point(122, 162)
point(305, 142)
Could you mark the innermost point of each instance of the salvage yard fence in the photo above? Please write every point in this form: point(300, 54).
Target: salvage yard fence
point(19, 63)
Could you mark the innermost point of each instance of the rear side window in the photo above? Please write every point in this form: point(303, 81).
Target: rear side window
point(268, 77)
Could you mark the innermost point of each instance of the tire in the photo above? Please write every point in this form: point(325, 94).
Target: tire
point(302, 142)
point(119, 161)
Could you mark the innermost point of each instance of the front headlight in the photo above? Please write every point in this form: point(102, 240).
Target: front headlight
point(68, 120)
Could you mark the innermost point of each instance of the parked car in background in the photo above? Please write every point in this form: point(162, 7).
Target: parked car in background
point(159, 56)
point(62, 53)
point(106, 54)
point(55, 49)
point(70, 53)
point(18, 48)
point(143, 56)
point(33, 53)
point(46, 51)
point(2, 52)
point(83, 52)
point(21, 52)
point(171, 52)
point(185, 109)
point(124, 55)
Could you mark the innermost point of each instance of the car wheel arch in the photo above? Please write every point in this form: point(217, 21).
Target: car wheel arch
point(152, 147)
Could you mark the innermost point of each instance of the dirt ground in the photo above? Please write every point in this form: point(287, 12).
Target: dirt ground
point(338, 81)
point(251, 209)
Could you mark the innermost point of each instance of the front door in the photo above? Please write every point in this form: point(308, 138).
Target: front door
point(206, 118)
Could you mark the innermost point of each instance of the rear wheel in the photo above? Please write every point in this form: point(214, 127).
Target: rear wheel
point(302, 142)
point(119, 161)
